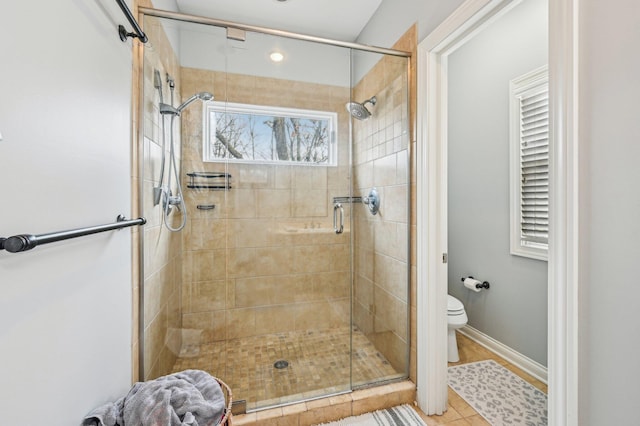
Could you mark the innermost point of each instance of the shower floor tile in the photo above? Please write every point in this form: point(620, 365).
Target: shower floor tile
point(318, 364)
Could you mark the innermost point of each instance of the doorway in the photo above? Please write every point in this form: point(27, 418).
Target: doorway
point(432, 198)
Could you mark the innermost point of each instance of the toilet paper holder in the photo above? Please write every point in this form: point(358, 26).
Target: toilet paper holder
point(484, 284)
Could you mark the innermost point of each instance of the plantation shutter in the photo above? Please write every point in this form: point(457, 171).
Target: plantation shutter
point(534, 168)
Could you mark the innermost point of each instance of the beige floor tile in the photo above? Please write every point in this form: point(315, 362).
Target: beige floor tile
point(460, 413)
point(319, 364)
point(244, 419)
point(477, 420)
point(460, 422)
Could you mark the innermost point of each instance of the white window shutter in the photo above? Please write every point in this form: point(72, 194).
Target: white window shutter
point(534, 168)
point(529, 145)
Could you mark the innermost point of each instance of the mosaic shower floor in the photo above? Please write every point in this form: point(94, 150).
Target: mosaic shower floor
point(318, 364)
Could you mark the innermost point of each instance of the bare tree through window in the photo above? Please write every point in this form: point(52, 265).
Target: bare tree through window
point(251, 133)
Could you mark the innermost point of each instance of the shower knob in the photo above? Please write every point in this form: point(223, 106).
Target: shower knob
point(373, 201)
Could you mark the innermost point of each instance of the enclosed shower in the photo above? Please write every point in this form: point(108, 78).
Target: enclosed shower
point(288, 276)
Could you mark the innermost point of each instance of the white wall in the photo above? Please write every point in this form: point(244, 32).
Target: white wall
point(610, 140)
point(208, 48)
point(514, 310)
point(65, 308)
point(394, 17)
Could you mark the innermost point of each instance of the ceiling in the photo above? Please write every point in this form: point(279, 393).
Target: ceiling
point(334, 19)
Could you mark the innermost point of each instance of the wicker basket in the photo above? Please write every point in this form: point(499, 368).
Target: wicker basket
point(228, 398)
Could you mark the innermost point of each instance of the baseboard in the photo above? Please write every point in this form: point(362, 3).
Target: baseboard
point(526, 364)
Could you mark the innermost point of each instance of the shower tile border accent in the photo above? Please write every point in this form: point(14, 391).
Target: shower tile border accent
point(333, 407)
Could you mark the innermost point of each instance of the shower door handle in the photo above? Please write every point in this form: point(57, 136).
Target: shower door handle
point(338, 227)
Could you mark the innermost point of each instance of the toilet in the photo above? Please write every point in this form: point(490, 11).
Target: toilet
point(456, 318)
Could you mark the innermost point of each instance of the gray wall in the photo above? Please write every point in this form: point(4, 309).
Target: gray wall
point(514, 310)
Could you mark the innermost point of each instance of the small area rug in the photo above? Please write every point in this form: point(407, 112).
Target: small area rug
point(402, 415)
point(498, 395)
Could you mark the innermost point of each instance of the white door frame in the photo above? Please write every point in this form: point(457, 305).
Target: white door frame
point(563, 188)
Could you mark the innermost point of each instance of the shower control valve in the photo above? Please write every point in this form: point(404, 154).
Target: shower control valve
point(373, 201)
point(175, 200)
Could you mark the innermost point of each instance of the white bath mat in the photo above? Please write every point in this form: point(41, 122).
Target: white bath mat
point(498, 395)
point(402, 415)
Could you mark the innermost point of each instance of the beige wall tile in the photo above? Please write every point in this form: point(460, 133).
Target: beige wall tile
point(240, 263)
point(241, 323)
point(320, 315)
point(242, 203)
point(395, 203)
point(274, 203)
point(250, 232)
point(274, 319)
point(207, 265)
point(198, 321)
point(206, 234)
point(218, 330)
point(309, 202)
point(364, 291)
point(312, 259)
point(384, 171)
point(392, 275)
point(208, 296)
point(329, 286)
point(252, 292)
point(274, 261)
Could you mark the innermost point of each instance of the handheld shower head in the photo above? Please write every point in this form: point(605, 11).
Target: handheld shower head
point(358, 110)
point(157, 83)
point(203, 96)
point(168, 109)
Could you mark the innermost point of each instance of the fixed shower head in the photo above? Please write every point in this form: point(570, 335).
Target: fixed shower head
point(203, 96)
point(359, 110)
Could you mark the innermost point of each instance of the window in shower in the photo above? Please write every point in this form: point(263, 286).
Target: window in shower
point(262, 134)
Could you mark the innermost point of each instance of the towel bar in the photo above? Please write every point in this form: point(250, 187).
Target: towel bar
point(24, 242)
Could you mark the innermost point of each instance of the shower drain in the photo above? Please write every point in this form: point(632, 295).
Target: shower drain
point(281, 364)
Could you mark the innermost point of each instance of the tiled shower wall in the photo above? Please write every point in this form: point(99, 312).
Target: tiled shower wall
point(162, 249)
point(266, 258)
point(381, 160)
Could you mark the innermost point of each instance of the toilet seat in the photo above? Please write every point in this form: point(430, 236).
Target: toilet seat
point(454, 306)
point(456, 318)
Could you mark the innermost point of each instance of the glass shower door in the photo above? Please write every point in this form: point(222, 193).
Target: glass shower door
point(380, 134)
point(259, 289)
point(280, 132)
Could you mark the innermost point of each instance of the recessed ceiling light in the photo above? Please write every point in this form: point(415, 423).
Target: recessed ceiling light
point(276, 56)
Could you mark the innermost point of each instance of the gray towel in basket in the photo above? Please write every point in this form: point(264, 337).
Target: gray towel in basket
point(188, 398)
